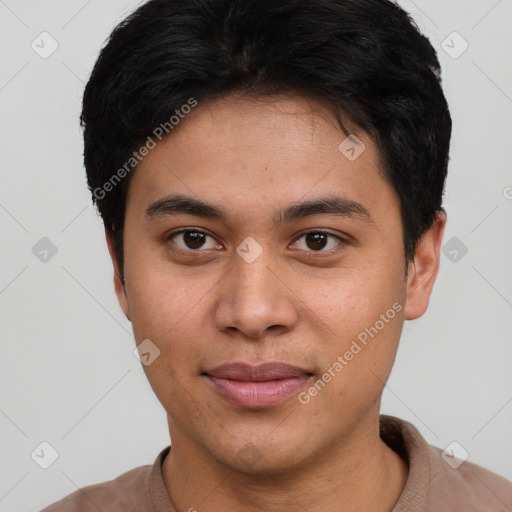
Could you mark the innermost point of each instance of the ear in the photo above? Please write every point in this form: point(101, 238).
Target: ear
point(422, 271)
point(119, 284)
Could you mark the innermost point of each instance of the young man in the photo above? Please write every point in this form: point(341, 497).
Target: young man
point(270, 174)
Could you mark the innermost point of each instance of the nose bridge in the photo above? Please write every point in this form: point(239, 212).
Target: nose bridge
point(252, 282)
point(253, 298)
point(253, 279)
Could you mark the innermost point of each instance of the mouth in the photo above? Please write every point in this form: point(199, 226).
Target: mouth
point(265, 385)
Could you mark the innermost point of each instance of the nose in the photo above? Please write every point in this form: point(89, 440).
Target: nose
point(255, 299)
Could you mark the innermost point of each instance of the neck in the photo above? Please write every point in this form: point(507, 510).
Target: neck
point(361, 473)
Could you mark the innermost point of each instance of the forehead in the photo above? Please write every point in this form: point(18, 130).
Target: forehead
point(243, 152)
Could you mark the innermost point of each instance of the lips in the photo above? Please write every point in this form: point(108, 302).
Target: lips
point(264, 385)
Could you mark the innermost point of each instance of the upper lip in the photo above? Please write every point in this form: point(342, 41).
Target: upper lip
point(272, 370)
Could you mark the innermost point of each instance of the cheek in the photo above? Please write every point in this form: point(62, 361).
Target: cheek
point(357, 364)
point(173, 316)
point(169, 311)
point(352, 298)
point(158, 294)
point(364, 313)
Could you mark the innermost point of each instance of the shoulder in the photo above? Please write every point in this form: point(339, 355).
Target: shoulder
point(124, 493)
point(468, 483)
point(437, 480)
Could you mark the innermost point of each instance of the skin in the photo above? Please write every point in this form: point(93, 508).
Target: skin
point(296, 303)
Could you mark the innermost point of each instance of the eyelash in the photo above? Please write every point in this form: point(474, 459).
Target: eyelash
point(172, 235)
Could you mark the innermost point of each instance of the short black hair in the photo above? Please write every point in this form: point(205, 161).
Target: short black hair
point(365, 58)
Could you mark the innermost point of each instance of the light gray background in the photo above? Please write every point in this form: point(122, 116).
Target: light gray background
point(67, 372)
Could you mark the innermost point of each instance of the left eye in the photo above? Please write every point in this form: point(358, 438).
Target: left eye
point(318, 241)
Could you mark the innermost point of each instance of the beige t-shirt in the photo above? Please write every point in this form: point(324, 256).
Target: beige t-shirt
point(432, 485)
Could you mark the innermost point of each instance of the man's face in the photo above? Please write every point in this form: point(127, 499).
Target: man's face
point(300, 290)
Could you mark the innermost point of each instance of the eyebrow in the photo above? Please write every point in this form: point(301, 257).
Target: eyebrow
point(332, 205)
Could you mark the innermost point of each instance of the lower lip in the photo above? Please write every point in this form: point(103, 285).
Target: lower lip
point(258, 394)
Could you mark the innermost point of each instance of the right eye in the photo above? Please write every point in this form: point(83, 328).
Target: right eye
point(191, 240)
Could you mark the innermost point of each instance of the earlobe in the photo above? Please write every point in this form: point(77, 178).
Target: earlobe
point(422, 271)
point(119, 283)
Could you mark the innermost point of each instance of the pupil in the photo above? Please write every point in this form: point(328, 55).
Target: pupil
point(194, 240)
point(316, 241)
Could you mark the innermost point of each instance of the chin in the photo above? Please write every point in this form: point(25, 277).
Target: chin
point(264, 456)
